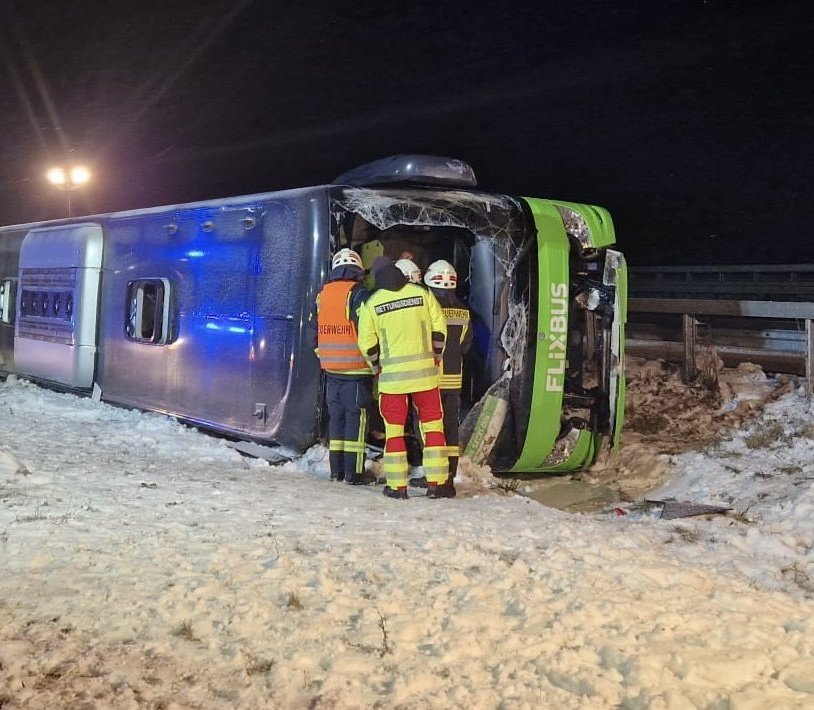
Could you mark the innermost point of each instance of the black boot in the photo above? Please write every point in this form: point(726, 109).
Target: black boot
point(443, 490)
point(337, 476)
point(397, 493)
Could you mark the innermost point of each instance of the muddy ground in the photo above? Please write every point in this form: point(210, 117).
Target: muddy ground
point(664, 416)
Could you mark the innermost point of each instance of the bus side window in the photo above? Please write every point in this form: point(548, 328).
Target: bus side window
point(148, 315)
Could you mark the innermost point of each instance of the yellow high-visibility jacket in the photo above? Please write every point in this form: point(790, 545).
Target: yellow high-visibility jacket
point(401, 335)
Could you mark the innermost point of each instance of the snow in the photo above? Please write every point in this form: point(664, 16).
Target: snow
point(145, 564)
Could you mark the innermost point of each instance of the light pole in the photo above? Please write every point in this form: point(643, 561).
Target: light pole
point(68, 180)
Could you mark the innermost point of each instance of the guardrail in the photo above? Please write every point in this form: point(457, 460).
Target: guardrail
point(787, 282)
point(690, 308)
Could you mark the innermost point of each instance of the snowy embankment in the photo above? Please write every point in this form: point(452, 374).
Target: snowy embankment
point(145, 564)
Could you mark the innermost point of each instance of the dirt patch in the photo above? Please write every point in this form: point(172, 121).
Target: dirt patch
point(673, 417)
point(665, 416)
point(662, 410)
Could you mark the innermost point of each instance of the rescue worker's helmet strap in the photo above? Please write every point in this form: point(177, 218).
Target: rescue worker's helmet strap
point(441, 274)
point(347, 257)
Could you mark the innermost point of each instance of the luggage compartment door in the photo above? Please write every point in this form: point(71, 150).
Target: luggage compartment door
point(57, 304)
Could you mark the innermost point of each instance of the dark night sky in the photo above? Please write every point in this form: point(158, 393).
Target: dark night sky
point(691, 121)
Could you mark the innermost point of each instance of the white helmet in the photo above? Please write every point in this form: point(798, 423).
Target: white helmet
point(347, 257)
point(410, 270)
point(441, 274)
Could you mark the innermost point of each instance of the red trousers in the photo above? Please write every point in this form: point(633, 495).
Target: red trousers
point(431, 422)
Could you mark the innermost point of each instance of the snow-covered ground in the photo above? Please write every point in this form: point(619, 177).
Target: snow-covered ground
point(143, 564)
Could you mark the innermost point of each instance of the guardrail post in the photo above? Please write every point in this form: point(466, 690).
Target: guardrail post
point(688, 327)
point(809, 357)
point(799, 359)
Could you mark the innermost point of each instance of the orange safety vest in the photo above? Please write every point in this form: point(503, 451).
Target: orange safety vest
point(336, 333)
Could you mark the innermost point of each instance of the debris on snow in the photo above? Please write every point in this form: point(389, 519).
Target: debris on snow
point(671, 509)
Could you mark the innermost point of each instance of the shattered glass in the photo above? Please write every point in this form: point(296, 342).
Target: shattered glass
point(563, 448)
point(496, 221)
point(575, 226)
point(486, 216)
point(513, 337)
point(512, 340)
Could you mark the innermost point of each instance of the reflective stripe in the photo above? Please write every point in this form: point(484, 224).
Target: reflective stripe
point(353, 347)
point(337, 358)
point(435, 426)
point(457, 321)
point(399, 359)
point(391, 431)
point(359, 444)
point(436, 464)
point(386, 377)
point(360, 365)
point(396, 458)
point(439, 466)
point(435, 452)
point(439, 340)
point(453, 451)
point(346, 445)
point(395, 469)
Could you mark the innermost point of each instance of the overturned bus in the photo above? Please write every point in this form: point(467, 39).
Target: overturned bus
point(200, 311)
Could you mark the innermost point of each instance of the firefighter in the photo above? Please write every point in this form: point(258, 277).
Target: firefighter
point(349, 380)
point(442, 279)
point(401, 335)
